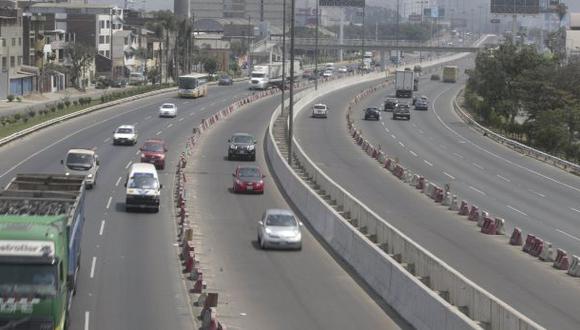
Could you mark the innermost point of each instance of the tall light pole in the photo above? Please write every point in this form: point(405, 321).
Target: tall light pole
point(363, 34)
point(397, 35)
point(316, 46)
point(291, 112)
point(283, 54)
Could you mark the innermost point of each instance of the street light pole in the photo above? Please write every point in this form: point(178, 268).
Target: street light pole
point(283, 54)
point(363, 35)
point(291, 112)
point(316, 47)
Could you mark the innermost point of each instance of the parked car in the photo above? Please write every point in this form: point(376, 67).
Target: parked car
point(342, 69)
point(168, 110)
point(137, 78)
point(390, 103)
point(281, 229)
point(248, 179)
point(153, 152)
point(119, 83)
point(225, 80)
point(372, 113)
point(402, 111)
point(242, 145)
point(308, 74)
point(320, 111)
point(125, 134)
point(327, 73)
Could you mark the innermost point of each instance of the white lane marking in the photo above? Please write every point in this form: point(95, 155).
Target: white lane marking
point(158, 133)
point(537, 193)
point(421, 131)
point(449, 175)
point(118, 181)
point(413, 153)
point(514, 209)
point(107, 140)
point(148, 117)
point(496, 155)
point(202, 108)
point(458, 155)
point(569, 235)
point(186, 102)
point(109, 202)
point(64, 139)
point(504, 178)
point(128, 164)
point(393, 136)
point(136, 123)
point(401, 143)
point(386, 129)
point(478, 166)
point(181, 119)
point(170, 125)
point(414, 125)
point(102, 228)
point(191, 114)
point(475, 189)
point(383, 123)
point(426, 162)
point(87, 314)
point(137, 152)
point(93, 264)
point(576, 210)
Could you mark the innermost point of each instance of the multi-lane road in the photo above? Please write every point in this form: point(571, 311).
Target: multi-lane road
point(435, 143)
point(131, 277)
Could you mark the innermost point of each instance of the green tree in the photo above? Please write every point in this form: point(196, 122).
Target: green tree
point(80, 56)
point(210, 65)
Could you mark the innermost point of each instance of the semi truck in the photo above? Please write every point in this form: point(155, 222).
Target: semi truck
point(450, 73)
point(270, 75)
point(41, 224)
point(404, 83)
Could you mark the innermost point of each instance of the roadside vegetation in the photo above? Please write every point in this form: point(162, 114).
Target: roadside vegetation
point(19, 121)
point(529, 97)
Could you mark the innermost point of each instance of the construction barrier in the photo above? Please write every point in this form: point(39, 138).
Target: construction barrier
point(574, 269)
point(530, 240)
point(516, 237)
point(561, 261)
point(547, 252)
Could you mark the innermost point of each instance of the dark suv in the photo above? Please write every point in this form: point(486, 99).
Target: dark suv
point(402, 111)
point(372, 113)
point(390, 103)
point(242, 145)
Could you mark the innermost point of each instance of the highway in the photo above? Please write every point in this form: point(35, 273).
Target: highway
point(438, 145)
point(131, 277)
point(268, 289)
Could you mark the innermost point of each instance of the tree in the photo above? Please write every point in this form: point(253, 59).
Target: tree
point(210, 65)
point(80, 58)
point(164, 25)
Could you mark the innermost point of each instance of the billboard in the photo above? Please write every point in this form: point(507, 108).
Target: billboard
point(434, 12)
point(342, 3)
point(515, 6)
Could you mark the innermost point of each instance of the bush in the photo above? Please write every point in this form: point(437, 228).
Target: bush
point(60, 105)
point(31, 113)
point(17, 117)
point(52, 108)
point(67, 103)
point(75, 103)
point(10, 98)
point(19, 99)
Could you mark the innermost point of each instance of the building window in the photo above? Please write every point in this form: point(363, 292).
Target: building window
point(102, 52)
point(107, 39)
point(3, 62)
point(3, 42)
point(107, 53)
point(101, 39)
point(108, 24)
point(13, 41)
point(126, 41)
point(12, 61)
point(102, 24)
point(19, 60)
point(31, 42)
point(19, 41)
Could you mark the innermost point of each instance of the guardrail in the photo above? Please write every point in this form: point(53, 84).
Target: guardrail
point(519, 147)
point(427, 292)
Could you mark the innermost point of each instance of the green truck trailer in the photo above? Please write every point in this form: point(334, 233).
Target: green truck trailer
point(450, 73)
point(41, 223)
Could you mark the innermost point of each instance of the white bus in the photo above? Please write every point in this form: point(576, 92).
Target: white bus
point(192, 85)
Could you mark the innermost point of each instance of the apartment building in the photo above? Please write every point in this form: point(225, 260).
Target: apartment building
point(13, 80)
point(255, 10)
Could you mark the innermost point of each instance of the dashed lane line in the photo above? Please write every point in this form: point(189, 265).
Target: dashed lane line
point(118, 181)
point(504, 178)
point(427, 162)
point(516, 210)
point(449, 175)
point(477, 190)
point(93, 265)
point(569, 235)
point(109, 202)
point(413, 153)
point(102, 228)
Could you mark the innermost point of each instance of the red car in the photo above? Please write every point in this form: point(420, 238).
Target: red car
point(153, 152)
point(248, 179)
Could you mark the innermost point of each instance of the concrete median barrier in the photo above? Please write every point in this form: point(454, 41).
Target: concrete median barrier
point(420, 287)
point(561, 261)
point(574, 269)
point(516, 237)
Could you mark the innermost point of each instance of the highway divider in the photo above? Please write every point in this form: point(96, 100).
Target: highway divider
point(514, 145)
point(427, 292)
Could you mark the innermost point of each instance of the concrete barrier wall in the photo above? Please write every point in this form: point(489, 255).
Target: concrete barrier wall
point(422, 288)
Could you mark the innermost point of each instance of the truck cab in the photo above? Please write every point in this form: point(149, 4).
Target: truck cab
point(143, 188)
point(259, 78)
point(83, 162)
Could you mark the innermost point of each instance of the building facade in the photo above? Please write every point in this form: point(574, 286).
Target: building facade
point(257, 10)
point(13, 80)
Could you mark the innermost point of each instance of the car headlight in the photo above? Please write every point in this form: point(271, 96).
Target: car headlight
point(142, 155)
point(90, 176)
point(251, 147)
point(268, 231)
point(233, 146)
point(67, 173)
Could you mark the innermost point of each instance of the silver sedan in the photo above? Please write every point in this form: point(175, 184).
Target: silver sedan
point(279, 229)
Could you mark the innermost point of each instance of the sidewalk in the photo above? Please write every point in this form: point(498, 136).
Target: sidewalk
point(38, 101)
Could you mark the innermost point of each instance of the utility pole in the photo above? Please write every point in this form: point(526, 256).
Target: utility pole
point(397, 35)
point(283, 54)
point(249, 45)
point(316, 46)
point(111, 48)
point(362, 55)
point(291, 112)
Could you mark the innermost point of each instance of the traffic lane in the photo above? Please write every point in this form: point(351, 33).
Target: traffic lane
point(121, 259)
point(27, 148)
point(505, 193)
point(304, 289)
point(522, 283)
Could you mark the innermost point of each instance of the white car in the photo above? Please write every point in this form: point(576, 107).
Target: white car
point(279, 229)
point(343, 69)
point(168, 110)
point(125, 134)
point(319, 111)
point(327, 73)
point(83, 162)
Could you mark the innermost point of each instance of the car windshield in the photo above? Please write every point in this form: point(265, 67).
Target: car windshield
point(281, 220)
point(320, 107)
point(242, 139)
point(168, 106)
point(248, 172)
point(225, 77)
point(258, 75)
point(143, 181)
point(152, 147)
point(79, 161)
point(372, 109)
point(28, 279)
point(125, 130)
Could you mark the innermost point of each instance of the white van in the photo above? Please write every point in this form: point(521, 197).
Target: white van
point(83, 162)
point(143, 188)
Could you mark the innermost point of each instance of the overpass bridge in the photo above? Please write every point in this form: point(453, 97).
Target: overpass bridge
point(356, 44)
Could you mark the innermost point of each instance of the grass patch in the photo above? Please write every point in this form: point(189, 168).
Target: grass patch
point(20, 121)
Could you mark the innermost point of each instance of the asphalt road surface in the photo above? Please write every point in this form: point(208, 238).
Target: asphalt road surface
point(438, 145)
